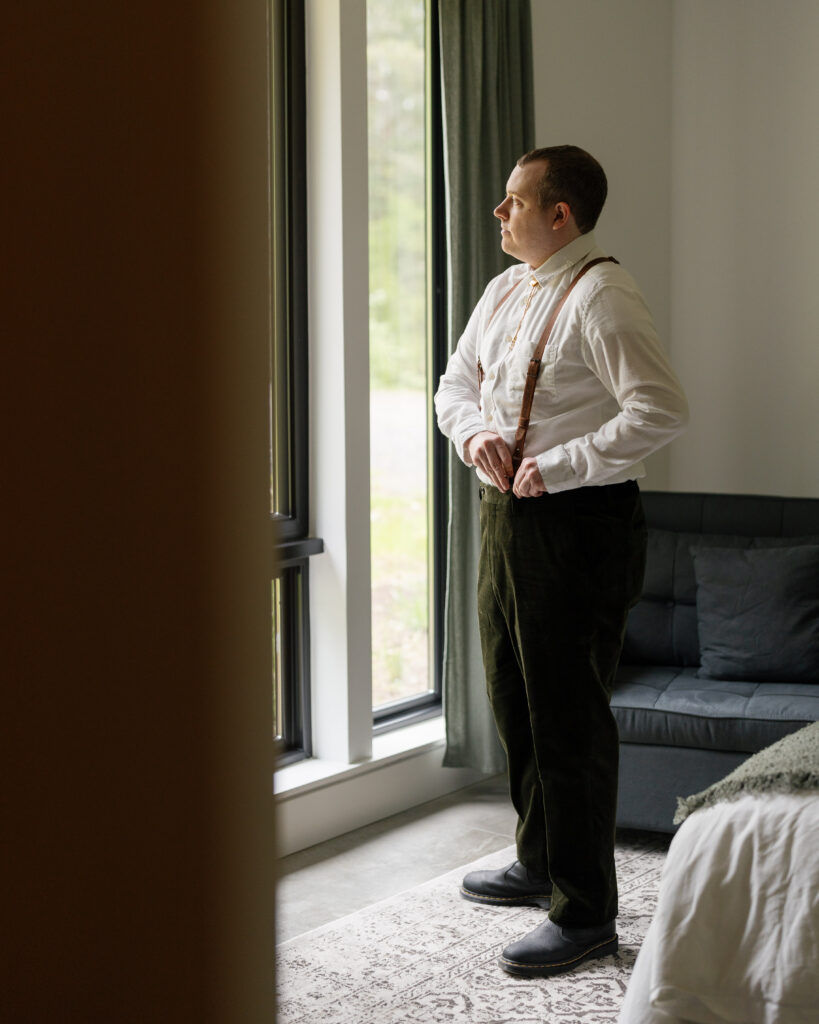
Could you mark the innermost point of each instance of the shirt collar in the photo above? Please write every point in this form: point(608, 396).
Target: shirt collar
point(566, 257)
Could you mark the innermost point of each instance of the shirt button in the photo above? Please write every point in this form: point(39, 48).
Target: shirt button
point(491, 376)
point(489, 417)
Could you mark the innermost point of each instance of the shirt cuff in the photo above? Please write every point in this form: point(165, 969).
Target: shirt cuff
point(472, 428)
point(556, 469)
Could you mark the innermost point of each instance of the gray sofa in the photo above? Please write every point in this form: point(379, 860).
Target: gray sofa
point(702, 615)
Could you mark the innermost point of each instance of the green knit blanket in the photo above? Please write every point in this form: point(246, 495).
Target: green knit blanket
point(790, 765)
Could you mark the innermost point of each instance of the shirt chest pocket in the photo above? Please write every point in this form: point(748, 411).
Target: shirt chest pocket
point(518, 368)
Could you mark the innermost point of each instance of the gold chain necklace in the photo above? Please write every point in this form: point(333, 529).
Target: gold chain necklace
point(533, 283)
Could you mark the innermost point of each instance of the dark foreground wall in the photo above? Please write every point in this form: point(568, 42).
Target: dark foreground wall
point(136, 628)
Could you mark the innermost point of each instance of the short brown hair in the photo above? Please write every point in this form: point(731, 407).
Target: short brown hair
point(572, 176)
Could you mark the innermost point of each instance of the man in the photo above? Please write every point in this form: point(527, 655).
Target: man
point(562, 538)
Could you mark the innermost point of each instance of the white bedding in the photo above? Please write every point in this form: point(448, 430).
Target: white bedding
point(736, 933)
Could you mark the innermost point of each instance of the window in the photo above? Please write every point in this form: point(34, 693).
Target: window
point(406, 351)
point(289, 389)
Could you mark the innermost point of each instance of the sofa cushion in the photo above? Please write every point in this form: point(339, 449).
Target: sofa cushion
point(758, 613)
point(662, 627)
point(671, 706)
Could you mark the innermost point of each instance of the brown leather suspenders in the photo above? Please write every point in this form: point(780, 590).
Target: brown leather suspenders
point(534, 362)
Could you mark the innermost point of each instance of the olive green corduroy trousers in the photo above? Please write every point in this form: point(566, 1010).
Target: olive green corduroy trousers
point(557, 576)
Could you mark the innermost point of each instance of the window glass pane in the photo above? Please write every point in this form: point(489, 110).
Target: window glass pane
point(281, 446)
point(278, 681)
point(399, 396)
point(291, 705)
point(280, 376)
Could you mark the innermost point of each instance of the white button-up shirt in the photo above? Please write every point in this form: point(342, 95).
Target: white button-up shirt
point(606, 396)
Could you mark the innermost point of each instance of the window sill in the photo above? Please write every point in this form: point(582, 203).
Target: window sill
point(318, 800)
point(388, 748)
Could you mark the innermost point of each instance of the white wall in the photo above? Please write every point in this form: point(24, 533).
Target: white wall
point(703, 115)
point(602, 82)
point(745, 222)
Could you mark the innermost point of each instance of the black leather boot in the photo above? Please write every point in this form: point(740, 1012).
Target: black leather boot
point(553, 949)
point(513, 886)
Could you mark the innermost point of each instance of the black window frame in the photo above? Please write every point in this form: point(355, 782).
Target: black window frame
point(289, 442)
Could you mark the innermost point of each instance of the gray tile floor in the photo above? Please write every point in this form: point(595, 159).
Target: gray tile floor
point(336, 878)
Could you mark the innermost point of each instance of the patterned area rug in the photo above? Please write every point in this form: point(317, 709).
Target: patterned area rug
point(428, 956)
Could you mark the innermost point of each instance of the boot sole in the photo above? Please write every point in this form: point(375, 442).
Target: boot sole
point(507, 901)
point(606, 948)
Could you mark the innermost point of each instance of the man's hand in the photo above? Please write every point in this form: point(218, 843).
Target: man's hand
point(528, 481)
point(490, 453)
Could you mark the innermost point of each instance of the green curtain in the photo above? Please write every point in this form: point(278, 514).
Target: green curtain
point(488, 102)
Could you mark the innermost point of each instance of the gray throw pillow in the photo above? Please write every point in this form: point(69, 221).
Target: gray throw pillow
point(758, 613)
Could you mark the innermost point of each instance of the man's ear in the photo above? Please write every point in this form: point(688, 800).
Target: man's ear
point(562, 216)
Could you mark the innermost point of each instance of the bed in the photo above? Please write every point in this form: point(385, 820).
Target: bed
point(735, 937)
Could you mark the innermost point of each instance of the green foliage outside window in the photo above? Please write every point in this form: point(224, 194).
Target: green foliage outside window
point(396, 59)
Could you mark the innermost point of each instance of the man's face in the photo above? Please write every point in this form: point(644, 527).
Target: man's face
point(526, 229)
